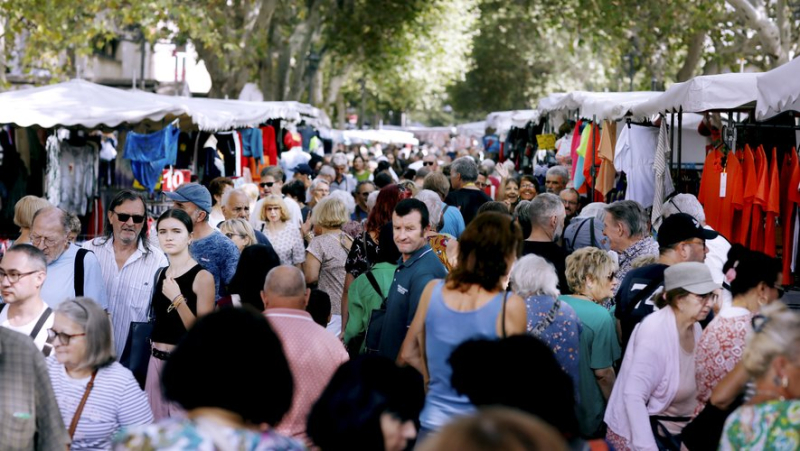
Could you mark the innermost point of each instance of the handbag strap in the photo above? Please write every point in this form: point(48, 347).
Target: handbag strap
point(374, 283)
point(79, 410)
point(505, 297)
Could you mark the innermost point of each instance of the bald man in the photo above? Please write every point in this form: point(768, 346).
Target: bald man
point(313, 353)
point(236, 205)
point(71, 271)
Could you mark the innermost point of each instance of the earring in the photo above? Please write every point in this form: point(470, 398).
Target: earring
point(785, 381)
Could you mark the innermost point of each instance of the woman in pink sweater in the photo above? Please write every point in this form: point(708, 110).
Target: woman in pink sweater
point(656, 388)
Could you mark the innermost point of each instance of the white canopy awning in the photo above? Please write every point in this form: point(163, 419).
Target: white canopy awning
point(778, 90)
point(380, 136)
point(503, 121)
point(602, 105)
point(81, 103)
point(474, 129)
point(703, 93)
point(86, 104)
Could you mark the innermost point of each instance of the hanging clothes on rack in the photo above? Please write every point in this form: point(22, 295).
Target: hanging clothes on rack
point(721, 191)
point(593, 140)
point(634, 155)
point(664, 186)
point(759, 201)
point(742, 219)
point(79, 176)
point(253, 143)
point(150, 153)
point(789, 167)
point(607, 173)
point(576, 141)
point(773, 208)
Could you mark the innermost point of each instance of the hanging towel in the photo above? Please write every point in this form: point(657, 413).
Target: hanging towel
point(150, 153)
point(607, 173)
point(664, 185)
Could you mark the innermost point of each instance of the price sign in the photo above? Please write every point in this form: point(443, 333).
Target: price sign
point(546, 142)
point(171, 179)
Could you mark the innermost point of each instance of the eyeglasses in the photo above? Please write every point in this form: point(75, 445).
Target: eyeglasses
point(428, 163)
point(48, 242)
point(612, 276)
point(62, 337)
point(781, 291)
point(705, 299)
point(123, 217)
point(569, 202)
point(365, 194)
point(231, 235)
point(14, 277)
point(266, 184)
point(527, 186)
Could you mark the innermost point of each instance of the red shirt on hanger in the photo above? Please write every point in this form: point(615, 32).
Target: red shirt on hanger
point(773, 207)
point(741, 227)
point(759, 201)
point(720, 203)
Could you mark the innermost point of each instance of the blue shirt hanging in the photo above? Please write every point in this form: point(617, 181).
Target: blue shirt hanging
point(150, 153)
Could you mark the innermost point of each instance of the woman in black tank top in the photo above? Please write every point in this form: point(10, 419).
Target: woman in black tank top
point(184, 291)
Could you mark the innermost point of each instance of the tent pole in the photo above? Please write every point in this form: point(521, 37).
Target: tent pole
point(680, 141)
point(594, 151)
point(671, 137)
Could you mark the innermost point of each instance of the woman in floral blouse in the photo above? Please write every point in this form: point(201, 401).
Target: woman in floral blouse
point(771, 419)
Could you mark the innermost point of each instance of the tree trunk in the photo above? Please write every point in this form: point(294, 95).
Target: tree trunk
point(693, 54)
point(767, 32)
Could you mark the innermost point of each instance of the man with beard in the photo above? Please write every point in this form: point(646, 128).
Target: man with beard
point(546, 212)
point(128, 263)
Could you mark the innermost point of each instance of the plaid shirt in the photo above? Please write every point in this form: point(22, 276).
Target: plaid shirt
point(29, 415)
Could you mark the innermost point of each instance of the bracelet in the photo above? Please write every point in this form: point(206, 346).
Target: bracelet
point(175, 304)
point(176, 297)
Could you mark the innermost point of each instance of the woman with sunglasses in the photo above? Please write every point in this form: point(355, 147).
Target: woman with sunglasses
point(239, 231)
point(96, 395)
point(656, 393)
point(772, 358)
point(591, 276)
point(285, 238)
point(183, 292)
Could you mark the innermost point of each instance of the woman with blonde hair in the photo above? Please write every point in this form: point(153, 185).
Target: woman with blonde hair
point(284, 236)
point(239, 231)
point(327, 254)
point(769, 420)
point(24, 210)
point(591, 275)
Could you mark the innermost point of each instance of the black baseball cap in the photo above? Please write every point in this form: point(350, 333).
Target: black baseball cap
point(304, 169)
point(682, 227)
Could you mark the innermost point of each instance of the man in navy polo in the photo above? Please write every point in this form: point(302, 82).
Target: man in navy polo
point(417, 266)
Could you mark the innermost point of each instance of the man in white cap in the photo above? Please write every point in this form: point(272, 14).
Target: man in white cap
point(211, 249)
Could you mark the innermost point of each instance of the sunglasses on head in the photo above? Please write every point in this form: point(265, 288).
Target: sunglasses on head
point(123, 217)
point(266, 184)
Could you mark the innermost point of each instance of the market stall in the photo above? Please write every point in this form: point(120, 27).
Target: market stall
point(778, 90)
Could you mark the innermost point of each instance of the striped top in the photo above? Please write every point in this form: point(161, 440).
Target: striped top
point(128, 289)
point(116, 401)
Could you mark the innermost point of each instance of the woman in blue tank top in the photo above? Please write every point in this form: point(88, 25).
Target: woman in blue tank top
point(468, 305)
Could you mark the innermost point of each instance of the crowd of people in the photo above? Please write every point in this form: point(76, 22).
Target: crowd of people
point(364, 303)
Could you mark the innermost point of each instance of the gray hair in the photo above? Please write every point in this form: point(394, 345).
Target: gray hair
point(63, 217)
point(346, 198)
point(777, 335)
point(533, 275)
point(631, 215)
point(339, 159)
point(326, 171)
point(317, 181)
point(543, 207)
point(227, 196)
point(559, 171)
point(434, 204)
point(372, 199)
point(90, 317)
point(466, 168)
point(684, 203)
point(596, 210)
point(285, 281)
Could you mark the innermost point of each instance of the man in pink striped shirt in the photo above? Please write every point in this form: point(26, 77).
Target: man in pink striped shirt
point(313, 353)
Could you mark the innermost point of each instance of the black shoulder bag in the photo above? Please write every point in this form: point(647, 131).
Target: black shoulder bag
point(136, 354)
point(78, 280)
point(355, 343)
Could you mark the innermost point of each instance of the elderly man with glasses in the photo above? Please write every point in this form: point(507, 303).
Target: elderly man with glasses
point(128, 263)
point(343, 180)
point(71, 270)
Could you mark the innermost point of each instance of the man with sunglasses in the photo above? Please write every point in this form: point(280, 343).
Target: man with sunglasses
point(681, 238)
point(22, 274)
point(128, 263)
point(71, 271)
